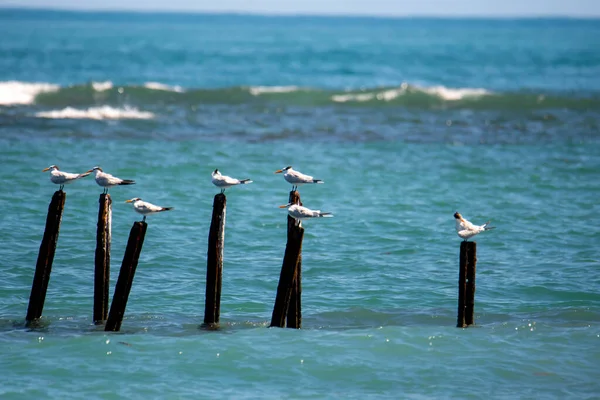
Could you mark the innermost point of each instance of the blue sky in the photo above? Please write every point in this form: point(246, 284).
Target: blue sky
point(582, 8)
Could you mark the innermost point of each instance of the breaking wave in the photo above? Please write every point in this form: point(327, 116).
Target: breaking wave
point(14, 92)
point(102, 86)
point(154, 94)
point(162, 86)
point(258, 90)
point(97, 113)
point(441, 92)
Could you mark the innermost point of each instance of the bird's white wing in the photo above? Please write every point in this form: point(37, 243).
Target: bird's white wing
point(224, 181)
point(315, 213)
point(297, 177)
point(58, 178)
point(307, 212)
point(110, 180)
point(69, 176)
point(229, 180)
point(468, 225)
point(145, 207)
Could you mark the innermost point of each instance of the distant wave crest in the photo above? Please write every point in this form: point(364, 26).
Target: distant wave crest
point(258, 90)
point(162, 86)
point(102, 86)
point(389, 94)
point(97, 113)
point(150, 95)
point(15, 92)
point(455, 94)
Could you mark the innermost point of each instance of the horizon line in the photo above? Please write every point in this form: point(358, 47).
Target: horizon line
point(266, 13)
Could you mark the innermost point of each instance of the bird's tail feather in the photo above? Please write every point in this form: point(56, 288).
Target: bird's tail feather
point(486, 227)
point(166, 208)
point(317, 181)
point(127, 182)
point(325, 214)
point(245, 181)
point(83, 175)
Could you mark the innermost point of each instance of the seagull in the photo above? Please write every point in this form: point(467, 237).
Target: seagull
point(296, 178)
point(224, 181)
point(299, 212)
point(145, 208)
point(466, 230)
point(107, 180)
point(62, 178)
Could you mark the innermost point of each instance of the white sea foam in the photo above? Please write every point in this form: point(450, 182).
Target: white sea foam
point(97, 113)
point(102, 86)
point(258, 90)
point(162, 86)
point(15, 92)
point(384, 95)
point(448, 94)
point(360, 97)
point(451, 94)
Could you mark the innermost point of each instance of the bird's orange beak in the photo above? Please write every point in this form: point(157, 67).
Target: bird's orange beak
point(46, 169)
point(279, 171)
point(284, 206)
point(129, 201)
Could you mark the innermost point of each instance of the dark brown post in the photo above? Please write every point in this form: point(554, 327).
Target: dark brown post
point(102, 261)
point(470, 290)
point(43, 266)
point(294, 311)
point(466, 283)
point(214, 262)
point(289, 282)
point(126, 274)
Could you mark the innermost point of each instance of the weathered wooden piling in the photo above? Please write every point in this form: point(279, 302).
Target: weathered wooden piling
point(466, 283)
point(294, 311)
point(102, 260)
point(43, 266)
point(214, 262)
point(470, 290)
point(126, 274)
point(287, 306)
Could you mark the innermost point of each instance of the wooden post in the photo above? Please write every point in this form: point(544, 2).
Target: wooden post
point(466, 283)
point(214, 262)
point(43, 266)
point(126, 274)
point(289, 282)
point(102, 261)
point(470, 290)
point(294, 311)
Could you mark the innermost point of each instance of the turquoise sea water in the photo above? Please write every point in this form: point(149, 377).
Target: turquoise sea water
point(406, 121)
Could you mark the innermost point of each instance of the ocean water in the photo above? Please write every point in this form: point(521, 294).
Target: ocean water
point(406, 121)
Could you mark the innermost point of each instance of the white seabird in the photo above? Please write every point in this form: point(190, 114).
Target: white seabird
point(107, 180)
point(296, 178)
point(466, 230)
point(300, 213)
point(145, 208)
point(224, 181)
point(63, 178)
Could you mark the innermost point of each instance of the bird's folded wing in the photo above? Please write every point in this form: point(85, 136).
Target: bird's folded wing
point(230, 181)
point(468, 226)
point(300, 177)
